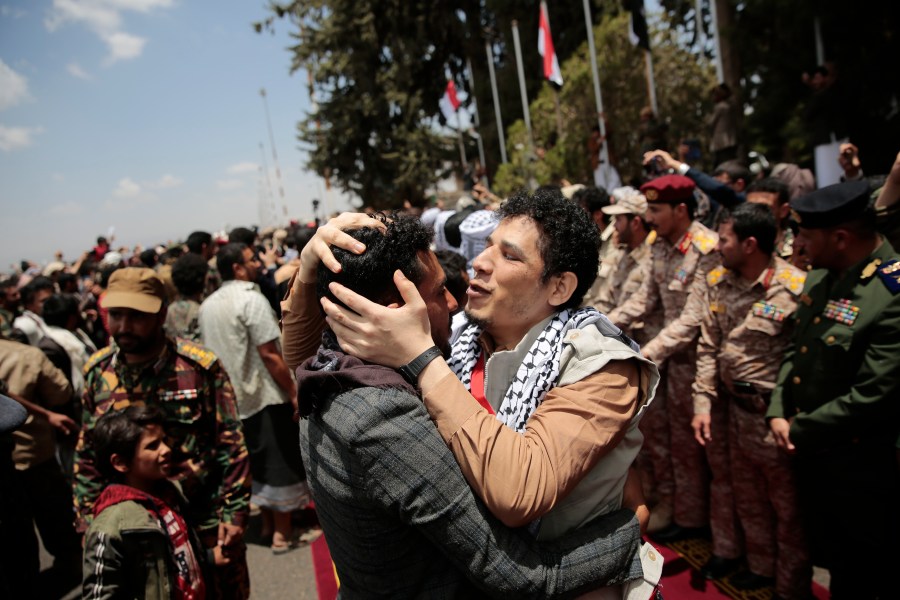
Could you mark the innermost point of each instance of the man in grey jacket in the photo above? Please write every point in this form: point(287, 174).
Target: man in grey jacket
point(398, 515)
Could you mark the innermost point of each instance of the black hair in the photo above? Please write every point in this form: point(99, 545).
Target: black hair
point(38, 284)
point(454, 265)
point(569, 240)
point(65, 279)
point(189, 274)
point(230, 255)
point(105, 274)
point(371, 274)
point(58, 308)
point(302, 237)
point(771, 185)
point(119, 433)
point(196, 241)
point(8, 282)
point(149, 258)
point(242, 235)
point(754, 220)
point(735, 170)
point(591, 198)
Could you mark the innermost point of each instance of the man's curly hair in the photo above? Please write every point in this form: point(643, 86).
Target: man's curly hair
point(371, 274)
point(569, 240)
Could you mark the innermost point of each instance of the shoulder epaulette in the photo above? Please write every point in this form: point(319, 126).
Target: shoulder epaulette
point(652, 237)
point(792, 278)
point(704, 241)
point(890, 275)
point(715, 275)
point(97, 357)
point(196, 353)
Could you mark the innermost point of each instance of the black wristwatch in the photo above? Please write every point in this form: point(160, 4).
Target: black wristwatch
point(414, 368)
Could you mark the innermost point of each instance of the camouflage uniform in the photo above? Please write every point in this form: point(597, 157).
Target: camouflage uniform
point(208, 451)
point(745, 330)
point(6, 322)
point(674, 271)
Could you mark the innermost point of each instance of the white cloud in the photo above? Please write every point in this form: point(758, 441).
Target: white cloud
point(66, 209)
point(58, 177)
point(13, 87)
point(104, 18)
point(75, 70)
point(166, 181)
point(13, 138)
point(14, 13)
point(227, 185)
point(243, 167)
point(127, 188)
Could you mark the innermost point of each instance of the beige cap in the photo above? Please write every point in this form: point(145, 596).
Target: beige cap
point(633, 203)
point(135, 288)
point(569, 190)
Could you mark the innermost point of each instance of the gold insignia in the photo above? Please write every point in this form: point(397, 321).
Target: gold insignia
point(715, 276)
point(792, 279)
point(870, 269)
point(197, 353)
point(796, 216)
point(651, 237)
point(716, 307)
point(651, 195)
point(704, 243)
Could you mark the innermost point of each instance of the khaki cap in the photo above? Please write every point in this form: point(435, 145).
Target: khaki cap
point(627, 204)
point(135, 288)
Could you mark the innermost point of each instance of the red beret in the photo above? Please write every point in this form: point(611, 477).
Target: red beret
point(670, 189)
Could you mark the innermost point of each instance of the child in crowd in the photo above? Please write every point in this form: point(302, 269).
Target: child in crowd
point(138, 545)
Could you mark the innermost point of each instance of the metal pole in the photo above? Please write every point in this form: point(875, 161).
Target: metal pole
point(592, 51)
point(651, 82)
point(500, 133)
point(521, 70)
point(475, 112)
point(262, 92)
point(720, 71)
point(698, 24)
point(820, 45)
point(462, 146)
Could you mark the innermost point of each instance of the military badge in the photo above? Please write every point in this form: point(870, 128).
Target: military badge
point(715, 276)
point(841, 311)
point(768, 311)
point(650, 194)
point(870, 269)
point(685, 243)
point(793, 280)
point(681, 275)
point(890, 275)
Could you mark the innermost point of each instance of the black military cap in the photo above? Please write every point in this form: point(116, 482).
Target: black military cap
point(832, 205)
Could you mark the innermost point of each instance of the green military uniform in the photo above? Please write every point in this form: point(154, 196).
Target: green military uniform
point(839, 384)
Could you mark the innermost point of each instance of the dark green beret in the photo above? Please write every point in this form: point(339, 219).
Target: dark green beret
point(832, 205)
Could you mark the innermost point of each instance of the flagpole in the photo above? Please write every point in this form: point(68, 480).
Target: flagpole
point(501, 136)
point(521, 70)
point(720, 70)
point(471, 78)
point(462, 146)
point(592, 51)
point(651, 82)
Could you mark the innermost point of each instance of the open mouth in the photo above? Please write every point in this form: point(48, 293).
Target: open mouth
point(476, 290)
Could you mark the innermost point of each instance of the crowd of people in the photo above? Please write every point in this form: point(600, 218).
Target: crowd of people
point(506, 397)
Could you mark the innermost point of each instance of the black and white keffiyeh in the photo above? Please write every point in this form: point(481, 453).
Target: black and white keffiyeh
point(539, 371)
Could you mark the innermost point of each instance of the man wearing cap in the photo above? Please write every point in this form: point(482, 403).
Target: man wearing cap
point(835, 407)
point(745, 328)
point(681, 257)
point(189, 385)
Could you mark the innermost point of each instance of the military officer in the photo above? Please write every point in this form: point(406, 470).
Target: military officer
point(191, 388)
point(681, 257)
point(746, 326)
point(836, 403)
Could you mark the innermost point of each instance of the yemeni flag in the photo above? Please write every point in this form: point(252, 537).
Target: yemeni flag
point(449, 102)
point(545, 48)
point(638, 34)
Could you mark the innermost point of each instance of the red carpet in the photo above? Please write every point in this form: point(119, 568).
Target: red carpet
point(680, 581)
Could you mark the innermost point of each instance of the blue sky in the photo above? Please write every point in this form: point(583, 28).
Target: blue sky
point(145, 116)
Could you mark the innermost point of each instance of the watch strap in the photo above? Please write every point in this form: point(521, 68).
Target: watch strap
point(411, 370)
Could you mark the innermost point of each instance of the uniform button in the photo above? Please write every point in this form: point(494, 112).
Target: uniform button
point(803, 349)
point(651, 555)
point(796, 380)
point(829, 339)
point(817, 320)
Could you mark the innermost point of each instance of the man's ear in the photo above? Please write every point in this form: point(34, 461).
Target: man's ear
point(562, 287)
point(118, 463)
point(750, 245)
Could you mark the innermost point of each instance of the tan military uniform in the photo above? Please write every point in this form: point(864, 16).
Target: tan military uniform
point(744, 333)
point(674, 271)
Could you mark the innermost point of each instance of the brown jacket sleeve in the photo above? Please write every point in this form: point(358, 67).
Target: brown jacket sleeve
point(302, 323)
point(521, 477)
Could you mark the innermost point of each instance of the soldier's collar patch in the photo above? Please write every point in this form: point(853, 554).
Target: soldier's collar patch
point(685, 243)
point(889, 273)
point(841, 311)
point(870, 269)
point(769, 311)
